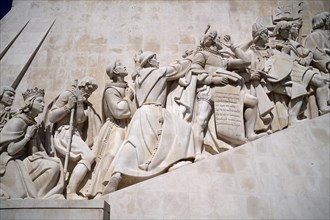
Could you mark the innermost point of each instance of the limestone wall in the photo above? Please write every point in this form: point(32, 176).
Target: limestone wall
point(282, 176)
point(24, 209)
point(285, 175)
point(87, 35)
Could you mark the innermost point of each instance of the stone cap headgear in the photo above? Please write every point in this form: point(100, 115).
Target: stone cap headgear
point(145, 56)
point(110, 69)
point(88, 80)
point(279, 26)
point(213, 34)
point(257, 29)
point(5, 88)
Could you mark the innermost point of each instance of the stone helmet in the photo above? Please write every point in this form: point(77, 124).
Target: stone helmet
point(257, 29)
point(213, 34)
point(4, 88)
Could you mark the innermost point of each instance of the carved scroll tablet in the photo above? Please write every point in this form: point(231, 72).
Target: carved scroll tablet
point(228, 110)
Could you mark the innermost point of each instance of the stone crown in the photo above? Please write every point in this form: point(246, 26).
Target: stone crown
point(33, 92)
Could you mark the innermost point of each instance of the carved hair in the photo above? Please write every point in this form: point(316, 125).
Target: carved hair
point(318, 20)
point(88, 80)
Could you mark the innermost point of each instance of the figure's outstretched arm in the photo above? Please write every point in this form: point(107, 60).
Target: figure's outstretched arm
point(243, 59)
point(177, 69)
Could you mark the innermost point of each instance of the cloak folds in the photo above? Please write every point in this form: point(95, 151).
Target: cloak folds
point(26, 175)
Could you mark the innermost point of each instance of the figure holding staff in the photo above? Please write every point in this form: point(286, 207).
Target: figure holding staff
point(85, 126)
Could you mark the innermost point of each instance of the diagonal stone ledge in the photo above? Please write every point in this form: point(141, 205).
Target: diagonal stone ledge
point(282, 176)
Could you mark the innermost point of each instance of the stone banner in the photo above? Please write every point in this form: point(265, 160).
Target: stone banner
point(228, 110)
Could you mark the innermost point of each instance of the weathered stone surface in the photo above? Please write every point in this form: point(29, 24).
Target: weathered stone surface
point(76, 46)
point(20, 54)
point(283, 176)
point(54, 209)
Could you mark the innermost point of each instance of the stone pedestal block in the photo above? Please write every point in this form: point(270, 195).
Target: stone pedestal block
point(54, 209)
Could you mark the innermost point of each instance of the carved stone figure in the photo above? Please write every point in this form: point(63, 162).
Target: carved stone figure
point(7, 95)
point(211, 66)
point(26, 170)
point(86, 124)
point(319, 42)
point(268, 83)
point(255, 82)
point(118, 107)
point(301, 72)
point(156, 139)
point(295, 30)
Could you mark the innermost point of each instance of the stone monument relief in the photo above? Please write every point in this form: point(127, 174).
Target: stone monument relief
point(117, 116)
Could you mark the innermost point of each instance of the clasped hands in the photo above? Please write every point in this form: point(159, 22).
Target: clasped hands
point(77, 98)
point(219, 80)
point(129, 93)
point(254, 74)
point(31, 131)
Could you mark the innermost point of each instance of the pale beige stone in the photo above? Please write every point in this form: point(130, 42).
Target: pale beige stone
point(186, 18)
point(273, 189)
point(51, 209)
point(268, 178)
point(22, 50)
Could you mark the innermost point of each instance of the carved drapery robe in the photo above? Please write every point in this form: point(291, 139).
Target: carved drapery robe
point(156, 138)
point(27, 175)
point(116, 113)
point(317, 41)
point(299, 73)
point(5, 115)
point(83, 134)
point(216, 63)
point(269, 94)
point(197, 87)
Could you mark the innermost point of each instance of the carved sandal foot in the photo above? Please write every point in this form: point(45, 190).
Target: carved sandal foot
point(113, 183)
point(295, 122)
point(98, 195)
point(178, 165)
point(325, 111)
point(256, 136)
point(199, 157)
point(74, 196)
point(4, 194)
